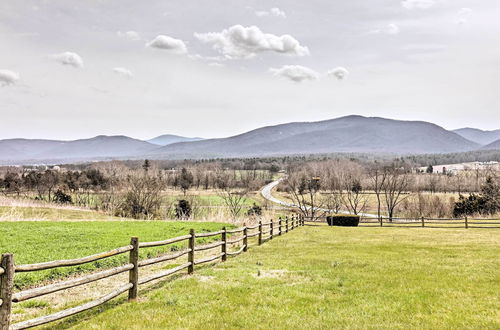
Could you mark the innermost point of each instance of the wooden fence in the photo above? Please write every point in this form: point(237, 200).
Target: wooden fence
point(431, 222)
point(424, 222)
point(263, 232)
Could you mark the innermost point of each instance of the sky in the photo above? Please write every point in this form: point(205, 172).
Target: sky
point(74, 69)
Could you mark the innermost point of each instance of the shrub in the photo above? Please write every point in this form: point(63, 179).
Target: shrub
point(183, 209)
point(343, 220)
point(255, 210)
point(62, 198)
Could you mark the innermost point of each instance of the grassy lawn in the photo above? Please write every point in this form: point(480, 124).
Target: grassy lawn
point(39, 241)
point(323, 278)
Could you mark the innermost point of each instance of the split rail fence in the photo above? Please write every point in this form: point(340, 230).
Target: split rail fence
point(422, 222)
point(430, 222)
point(228, 237)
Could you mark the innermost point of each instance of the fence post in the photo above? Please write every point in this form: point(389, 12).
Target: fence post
point(224, 244)
point(271, 224)
point(133, 274)
point(260, 232)
point(279, 226)
point(466, 223)
point(293, 222)
point(245, 238)
point(6, 286)
point(191, 251)
point(286, 224)
point(381, 219)
point(423, 222)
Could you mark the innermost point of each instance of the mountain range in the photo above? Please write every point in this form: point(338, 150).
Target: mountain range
point(167, 139)
point(479, 136)
point(345, 134)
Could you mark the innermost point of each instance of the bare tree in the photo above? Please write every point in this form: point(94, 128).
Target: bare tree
point(304, 186)
point(234, 198)
point(378, 178)
point(353, 196)
point(143, 199)
point(397, 182)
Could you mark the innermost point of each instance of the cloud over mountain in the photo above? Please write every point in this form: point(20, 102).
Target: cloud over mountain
point(245, 42)
point(123, 72)
point(172, 45)
point(276, 12)
point(130, 35)
point(8, 77)
point(418, 4)
point(339, 72)
point(69, 58)
point(297, 73)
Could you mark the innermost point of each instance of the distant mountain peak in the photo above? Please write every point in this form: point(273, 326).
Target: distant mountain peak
point(166, 139)
point(477, 135)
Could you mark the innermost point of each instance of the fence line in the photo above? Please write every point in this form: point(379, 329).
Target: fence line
point(424, 222)
point(265, 231)
point(421, 222)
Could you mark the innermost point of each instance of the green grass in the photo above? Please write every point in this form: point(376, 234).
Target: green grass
point(39, 241)
point(329, 277)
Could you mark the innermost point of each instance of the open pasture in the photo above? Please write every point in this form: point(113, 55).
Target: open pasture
point(326, 277)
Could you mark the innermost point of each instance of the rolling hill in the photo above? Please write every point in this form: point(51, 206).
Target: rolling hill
point(492, 146)
point(479, 136)
point(167, 139)
point(346, 134)
point(100, 147)
point(355, 134)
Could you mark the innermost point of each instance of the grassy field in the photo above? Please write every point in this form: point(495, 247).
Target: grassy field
point(323, 278)
point(16, 213)
point(39, 241)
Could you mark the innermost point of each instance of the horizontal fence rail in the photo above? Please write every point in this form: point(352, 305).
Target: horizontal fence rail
point(421, 222)
point(8, 267)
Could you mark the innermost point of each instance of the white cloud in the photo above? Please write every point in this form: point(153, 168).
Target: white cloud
point(339, 72)
point(271, 12)
point(172, 45)
point(130, 35)
point(295, 73)
point(245, 42)
point(69, 58)
point(464, 11)
point(391, 28)
point(8, 77)
point(418, 4)
point(463, 15)
point(123, 72)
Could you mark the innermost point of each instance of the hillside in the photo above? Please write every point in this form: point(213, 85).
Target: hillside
point(346, 134)
point(479, 136)
point(99, 147)
point(492, 146)
point(355, 134)
point(167, 139)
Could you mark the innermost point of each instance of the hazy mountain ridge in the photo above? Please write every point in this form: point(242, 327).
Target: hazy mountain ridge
point(478, 136)
point(99, 147)
point(167, 139)
point(346, 134)
point(495, 145)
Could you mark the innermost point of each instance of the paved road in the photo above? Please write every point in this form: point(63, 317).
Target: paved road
point(267, 190)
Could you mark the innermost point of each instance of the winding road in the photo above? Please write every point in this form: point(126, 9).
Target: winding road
point(267, 190)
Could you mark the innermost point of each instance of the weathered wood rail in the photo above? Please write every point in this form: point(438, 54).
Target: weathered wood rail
point(421, 222)
point(264, 230)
